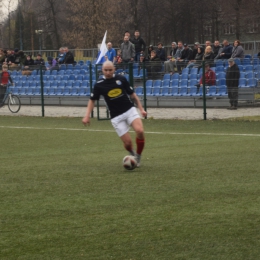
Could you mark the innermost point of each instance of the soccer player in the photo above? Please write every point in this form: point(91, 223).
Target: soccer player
point(116, 91)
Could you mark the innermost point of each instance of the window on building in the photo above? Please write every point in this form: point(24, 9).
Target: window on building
point(229, 28)
point(252, 26)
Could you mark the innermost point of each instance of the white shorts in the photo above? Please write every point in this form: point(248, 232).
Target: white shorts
point(123, 122)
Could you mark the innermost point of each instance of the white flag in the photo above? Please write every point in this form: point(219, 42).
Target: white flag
point(103, 49)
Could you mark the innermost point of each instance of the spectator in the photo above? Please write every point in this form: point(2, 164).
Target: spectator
point(111, 53)
point(118, 57)
point(52, 64)
point(238, 51)
point(232, 81)
point(127, 33)
point(139, 45)
point(142, 61)
point(216, 48)
point(150, 48)
point(16, 57)
point(195, 51)
point(127, 50)
point(10, 59)
point(226, 51)
point(197, 61)
point(2, 56)
point(39, 61)
point(208, 55)
point(160, 52)
point(207, 43)
point(169, 64)
point(69, 57)
point(29, 61)
point(4, 79)
point(154, 65)
point(186, 55)
point(61, 56)
point(22, 58)
point(210, 77)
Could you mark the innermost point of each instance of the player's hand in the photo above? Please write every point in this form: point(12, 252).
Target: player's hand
point(144, 113)
point(86, 121)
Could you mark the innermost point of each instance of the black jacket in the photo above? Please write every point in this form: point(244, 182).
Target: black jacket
point(161, 54)
point(216, 50)
point(139, 44)
point(69, 58)
point(39, 62)
point(232, 76)
point(29, 62)
point(186, 54)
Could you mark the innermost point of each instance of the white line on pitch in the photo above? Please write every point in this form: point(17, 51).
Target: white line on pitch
point(112, 131)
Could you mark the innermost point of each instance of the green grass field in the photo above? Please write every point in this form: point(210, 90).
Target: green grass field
point(65, 195)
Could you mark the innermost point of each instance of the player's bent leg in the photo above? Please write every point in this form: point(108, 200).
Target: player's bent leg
point(127, 141)
point(140, 141)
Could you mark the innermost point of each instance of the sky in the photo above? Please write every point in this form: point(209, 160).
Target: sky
point(5, 4)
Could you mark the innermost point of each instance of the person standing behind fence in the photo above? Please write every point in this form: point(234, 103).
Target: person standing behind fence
point(61, 56)
point(111, 53)
point(69, 57)
point(4, 80)
point(127, 50)
point(232, 81)
point(238, 51)
point(139, 45)
point(169, 64)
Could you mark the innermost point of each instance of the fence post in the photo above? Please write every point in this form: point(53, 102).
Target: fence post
point(144, 87)
point(204, 91)
point(42, 91)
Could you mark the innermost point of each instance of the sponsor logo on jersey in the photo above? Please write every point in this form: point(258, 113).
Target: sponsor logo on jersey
point(92, 95)
point(131, 88)
point(118, 82)
point(114, 92)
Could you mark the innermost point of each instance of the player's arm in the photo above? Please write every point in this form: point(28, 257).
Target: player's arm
point(136, 100)
point(86, 119)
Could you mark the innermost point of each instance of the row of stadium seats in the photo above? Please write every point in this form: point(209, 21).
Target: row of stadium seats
point(150, 91)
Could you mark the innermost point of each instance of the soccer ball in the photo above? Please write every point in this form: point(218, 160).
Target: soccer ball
point(129, 162)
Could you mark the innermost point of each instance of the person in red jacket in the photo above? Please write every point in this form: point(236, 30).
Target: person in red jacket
point(210, 77)
point(4, 79)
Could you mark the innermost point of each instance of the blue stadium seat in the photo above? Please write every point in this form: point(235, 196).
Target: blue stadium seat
point(23, 91)
point(62, 84)
point(81, 62)
point(221, 75)
point(166, 83)
point(148, 90)
point(62, 67)
point(36, 91)
point(212, 91)
point(66, 91)
point(241, 68)
point(165, 91)
point(69, 66)
point(72, 77)
point(248, 56)
point(175, 76)
point(250, 75)
point(139, 91)
point(74, 92)
point(193, 82)
point(183, 91)
point(34, 72)
point(65, 77)
point(58, 91)
point(47, 72)
point(79, 77)
point(222, 91)
point(77, 66)
point(242, 82)
point(221, 82)
point(237, 61)
point(156, 91)
point(251, 83)
point(242, 74)
point(61, 72)
point(54, 72)
point(167, 76)
point(184, 76)
point(219, 69)
point(200, 92)
point(136, 73)
point(193, 76)
point(184, 83)
point(194, 71)
point(157, 83)
point(149, 83)
point(76, 84)
point(174, 83)
point(51, 91)
point(193, 91)
point(82, 91)
point(85, 83)
point(246, 61)
point(248, 68)
point(185, 71)
point(174, 91)
point(218, 63)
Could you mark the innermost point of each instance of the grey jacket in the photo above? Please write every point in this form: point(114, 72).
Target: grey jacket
point(127, 51)
point(238, 52)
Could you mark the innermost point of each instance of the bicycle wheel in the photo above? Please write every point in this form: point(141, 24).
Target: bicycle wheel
point(14, 103)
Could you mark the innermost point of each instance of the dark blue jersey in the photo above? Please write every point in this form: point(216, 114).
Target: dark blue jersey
point(116, 93)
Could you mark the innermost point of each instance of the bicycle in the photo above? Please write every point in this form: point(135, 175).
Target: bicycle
point(13, 101)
